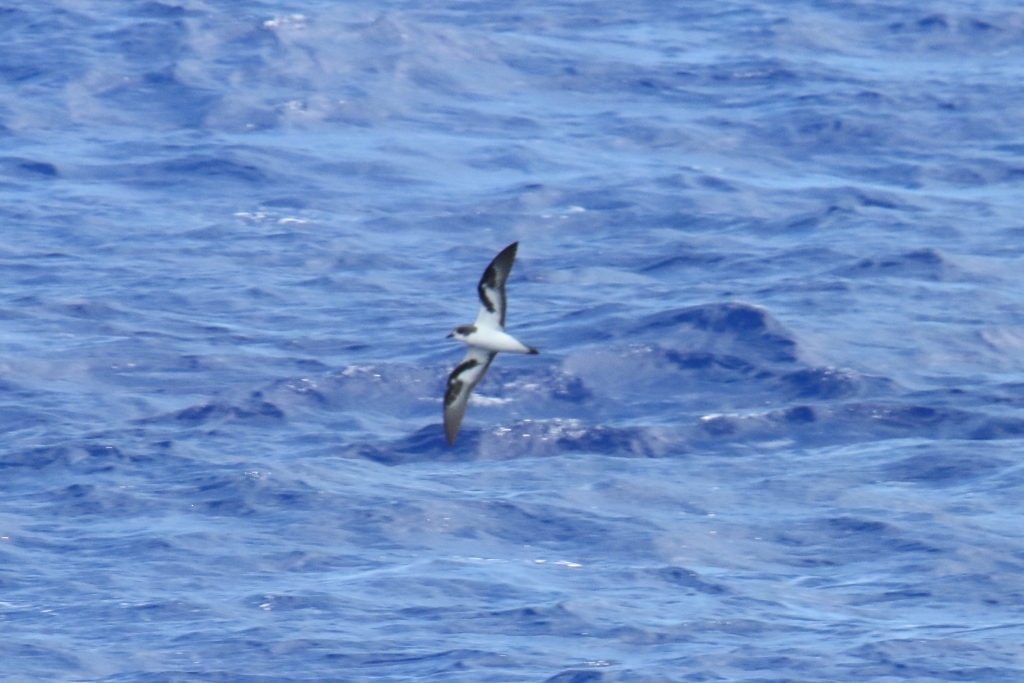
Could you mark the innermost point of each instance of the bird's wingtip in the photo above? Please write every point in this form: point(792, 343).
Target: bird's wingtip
point(450, 433)
point(533, 351)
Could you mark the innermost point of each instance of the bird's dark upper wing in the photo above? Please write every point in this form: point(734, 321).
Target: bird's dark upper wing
point(492, 288)
point(460, 383)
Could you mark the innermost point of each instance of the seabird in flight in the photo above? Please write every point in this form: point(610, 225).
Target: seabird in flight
point(484, 339)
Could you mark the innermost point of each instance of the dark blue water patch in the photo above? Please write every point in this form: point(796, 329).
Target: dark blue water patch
point(907, 176)
point(800, 415)
point(824, 424)
point(788, 260)
point(980, 30)
point(944, 467)
point(623, 441)
point(911, 593)
point(89, 310)
point(900, 417)
point(655, 137)
point(28, 169)
point(590, 325)
point(247, 494)
point(747, 331)
point(16, 418)
point(37, 50)
point(569, 390)
point(708, 361)
point(192, 673)
point(810, 131)
point(548, 620)
point(690, 631)
point(402, 664)
point(849, 201)
point(314, 561)
point(159, 10)
point(687, 221)
point(842, 540)
point(203, 172)
point(716, 184)
point(692, 259)
point(395, 390)
point(597, 201)
point(149, 41)
point(761, 72)
point(371, 171)
point(504, 158)
point(163, 100)
point(426, 444)
point(577, 676)
point(820, 384)
point(923, 264)
point(933, 22)
point(294, 602)
point(522, 439)
point(86, 500)
point(681, 577)
point(494, 215)
point(554, 527)
point(286, 203)
point(999, 428)
point(88, 457)
point(177, 374)
point(39, 659)
point(12, 17)
point(697, 84)
point(259, 413)
point(943, 659)
point(977, 173)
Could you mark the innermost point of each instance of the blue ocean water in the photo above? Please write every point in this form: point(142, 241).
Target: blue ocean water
point(771, 254)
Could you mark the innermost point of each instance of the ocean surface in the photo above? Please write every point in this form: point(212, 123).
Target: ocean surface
point(772, 254)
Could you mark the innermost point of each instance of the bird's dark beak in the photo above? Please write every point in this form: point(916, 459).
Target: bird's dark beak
point(450, 335)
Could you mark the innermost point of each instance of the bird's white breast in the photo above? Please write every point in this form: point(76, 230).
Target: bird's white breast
point(495, 340)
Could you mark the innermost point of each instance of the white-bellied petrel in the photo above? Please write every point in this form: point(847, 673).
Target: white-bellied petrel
point(484, 339)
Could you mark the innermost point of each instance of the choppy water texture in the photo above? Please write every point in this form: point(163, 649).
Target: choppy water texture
point(771, 255)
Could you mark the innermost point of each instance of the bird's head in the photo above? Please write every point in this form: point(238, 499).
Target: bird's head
point(462, 332)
